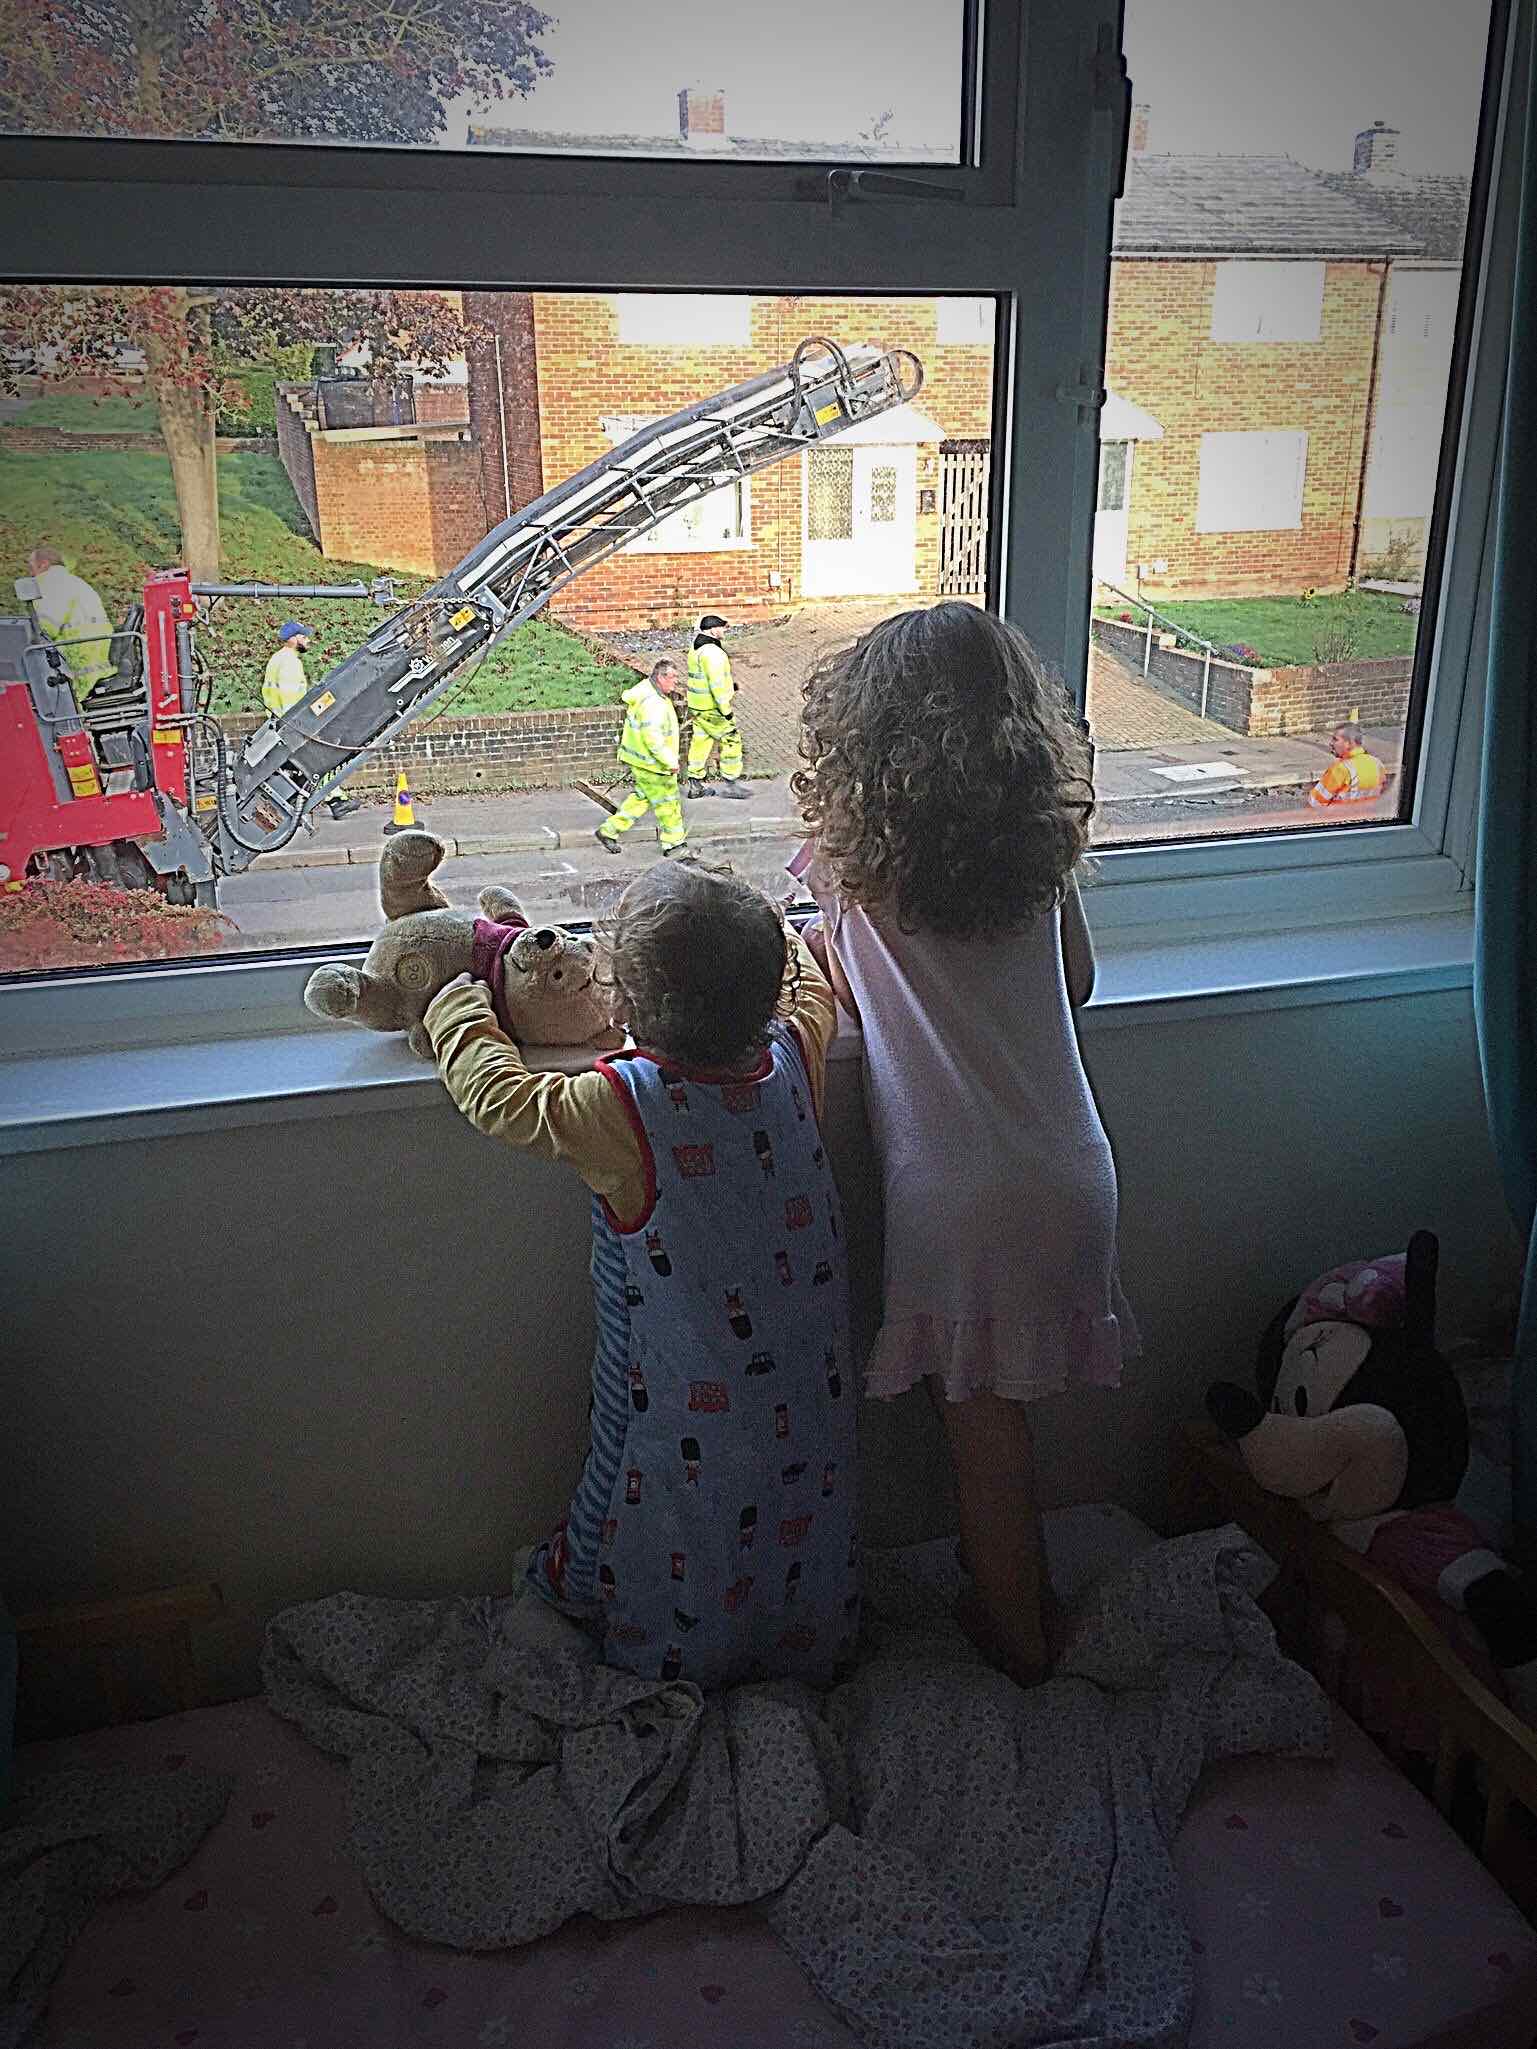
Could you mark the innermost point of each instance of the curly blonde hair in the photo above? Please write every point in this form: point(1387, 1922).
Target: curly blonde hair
point(699, 962)
point(946, 774)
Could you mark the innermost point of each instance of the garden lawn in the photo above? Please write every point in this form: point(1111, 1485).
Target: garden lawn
point(112, 515)
point(75, 412)
point(1286, 632)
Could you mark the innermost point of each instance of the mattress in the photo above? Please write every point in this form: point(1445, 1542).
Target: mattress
point(1327, 1903)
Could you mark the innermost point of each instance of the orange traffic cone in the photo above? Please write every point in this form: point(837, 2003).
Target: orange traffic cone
point(405, 813)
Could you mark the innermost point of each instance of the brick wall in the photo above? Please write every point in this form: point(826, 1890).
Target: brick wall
point(586, 374)
point(504, 399)
point(1229, 686)
point(1315, 698)
point(295, 450)
point(1268, 704)
point(510, 751)
point(1161, 356)
point(441, 404)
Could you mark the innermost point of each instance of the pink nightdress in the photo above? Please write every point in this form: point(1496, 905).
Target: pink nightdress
point(999, 1186)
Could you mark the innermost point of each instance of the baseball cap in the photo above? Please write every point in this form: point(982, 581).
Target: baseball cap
point(290, 627)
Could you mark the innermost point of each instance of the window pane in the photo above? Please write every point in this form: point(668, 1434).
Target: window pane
point(1285, 280)
point(673, 79)
point(363, 436)
point(830, 495)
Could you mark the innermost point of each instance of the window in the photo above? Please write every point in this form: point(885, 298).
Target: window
point(1267, 302)
point(692, 320)
point(1112, 475)
point(965, 320)
point(1210, 611)
point(605, 79)
point(1251, 482)
point(720, 520)
point(1286, 299)
point(356, 490)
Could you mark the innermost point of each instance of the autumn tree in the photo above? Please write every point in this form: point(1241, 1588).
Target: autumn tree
point(369, 71)
point(190, 338)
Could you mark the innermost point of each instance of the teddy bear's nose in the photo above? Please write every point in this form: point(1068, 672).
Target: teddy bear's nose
point(544, 940)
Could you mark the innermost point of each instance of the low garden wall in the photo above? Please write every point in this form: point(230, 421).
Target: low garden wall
point(66, 441)
point(1266, 704)
point(520, 750)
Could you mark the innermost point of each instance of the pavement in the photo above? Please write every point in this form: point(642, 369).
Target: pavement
point(1135, 786)
point(1159, 765)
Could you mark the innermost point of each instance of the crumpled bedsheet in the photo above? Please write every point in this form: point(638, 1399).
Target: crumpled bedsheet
point(951, 1860)
point(69, 1840)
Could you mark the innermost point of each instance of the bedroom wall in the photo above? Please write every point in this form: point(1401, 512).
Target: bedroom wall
point(353, 1352)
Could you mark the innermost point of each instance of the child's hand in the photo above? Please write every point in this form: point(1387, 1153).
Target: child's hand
point(465, 982)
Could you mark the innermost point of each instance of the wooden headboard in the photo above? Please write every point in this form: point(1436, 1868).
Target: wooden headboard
point(1483, 1775)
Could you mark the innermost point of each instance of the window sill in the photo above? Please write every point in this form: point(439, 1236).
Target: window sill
point(215, 1083)
point(741, 547)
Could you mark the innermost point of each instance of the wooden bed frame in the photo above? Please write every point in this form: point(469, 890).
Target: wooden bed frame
point(1483, 1776)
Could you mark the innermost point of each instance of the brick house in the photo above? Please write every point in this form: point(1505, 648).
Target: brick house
point(1261, 375)
point(1414, 361)
point(1247, 297)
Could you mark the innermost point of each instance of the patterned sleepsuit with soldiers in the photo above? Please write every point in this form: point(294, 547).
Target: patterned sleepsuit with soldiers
point(711, 1536)
point(713, 1527)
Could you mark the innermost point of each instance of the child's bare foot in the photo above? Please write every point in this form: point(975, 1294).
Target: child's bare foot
point(1021, 1652)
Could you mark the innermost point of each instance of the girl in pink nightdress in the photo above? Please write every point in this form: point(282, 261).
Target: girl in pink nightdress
point(948, 796)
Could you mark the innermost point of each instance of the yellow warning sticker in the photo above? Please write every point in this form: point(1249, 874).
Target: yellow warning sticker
point(828, 412)
point(204, 803)
point(324, 701)
point(166, 736)
point(462, 618)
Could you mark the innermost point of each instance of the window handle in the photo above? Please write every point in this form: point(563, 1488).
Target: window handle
point(844, 185)
point(1088, 398)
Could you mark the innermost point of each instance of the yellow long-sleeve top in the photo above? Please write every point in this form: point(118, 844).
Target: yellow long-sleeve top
point(579, 1117)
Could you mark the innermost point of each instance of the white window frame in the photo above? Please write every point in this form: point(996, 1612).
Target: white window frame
point(1267, 299)
point(1226, 499)
point(684, 320)
point(1046, 258)
point(672, 536)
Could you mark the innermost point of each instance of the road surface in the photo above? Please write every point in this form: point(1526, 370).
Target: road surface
point(331, 905)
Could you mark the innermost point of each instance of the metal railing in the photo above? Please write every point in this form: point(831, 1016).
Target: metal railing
point(1173, 626)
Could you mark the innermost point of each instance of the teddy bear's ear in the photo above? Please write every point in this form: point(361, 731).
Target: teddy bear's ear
point(503, 906)
point(334, 991)
point(1421, 1259)
point(406, 863)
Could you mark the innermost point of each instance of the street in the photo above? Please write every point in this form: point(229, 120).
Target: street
point(325, 888)
point(300, 906)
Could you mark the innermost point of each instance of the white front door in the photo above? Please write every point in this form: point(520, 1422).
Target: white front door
point(1110, 517)
point(860, 521)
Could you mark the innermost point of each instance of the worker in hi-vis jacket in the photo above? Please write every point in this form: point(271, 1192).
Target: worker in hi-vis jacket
point(711, 692)
point(648, 748)
point(284, 684)
point(70, 611)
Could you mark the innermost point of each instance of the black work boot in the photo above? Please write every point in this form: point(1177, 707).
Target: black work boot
point(737, 788)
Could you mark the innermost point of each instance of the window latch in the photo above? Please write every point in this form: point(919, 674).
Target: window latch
point(844, 185)
point(1089, 398)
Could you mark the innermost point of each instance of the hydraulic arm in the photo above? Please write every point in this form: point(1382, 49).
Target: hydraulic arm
point(291, 763)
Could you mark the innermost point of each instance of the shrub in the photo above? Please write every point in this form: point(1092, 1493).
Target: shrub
point(83, 924)
point(1340, 640)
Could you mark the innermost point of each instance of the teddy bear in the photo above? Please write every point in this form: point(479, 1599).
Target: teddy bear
point(541, 980)
point(1358, 1416)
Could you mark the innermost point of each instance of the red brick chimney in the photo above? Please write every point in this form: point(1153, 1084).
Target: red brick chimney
point(1141, 113)
point(702, 117)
